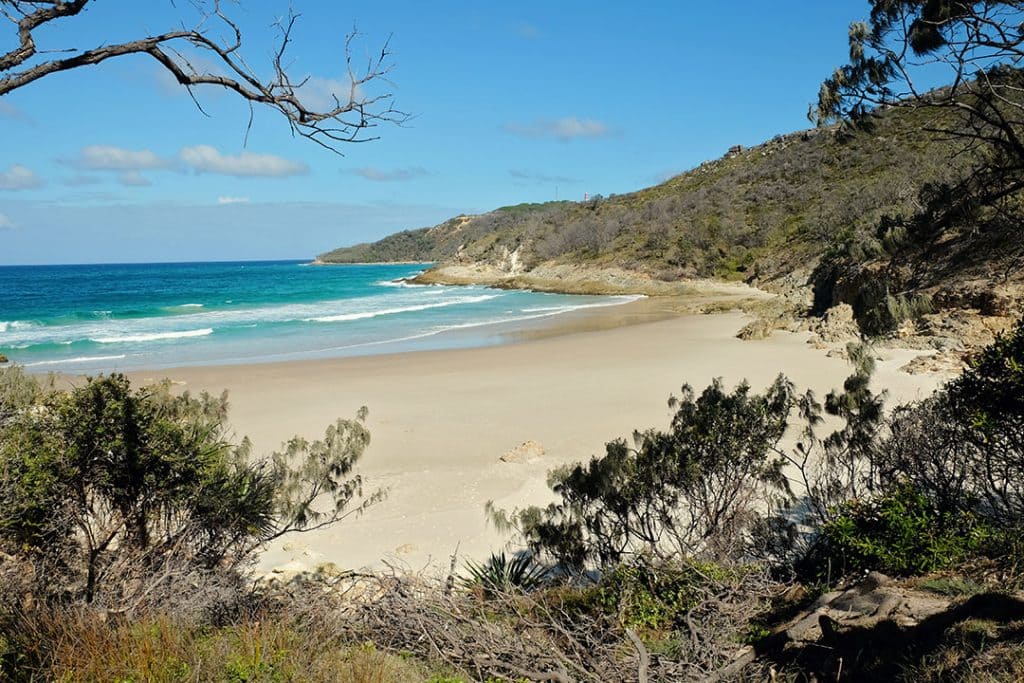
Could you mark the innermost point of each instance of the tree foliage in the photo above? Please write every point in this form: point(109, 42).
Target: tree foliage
point(690, 491)
point(120, 492)
point(964, 447)
point(974, 47)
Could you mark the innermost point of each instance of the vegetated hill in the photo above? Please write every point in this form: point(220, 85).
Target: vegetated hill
point(440, 242)
point(836, 209)
point(757, 210)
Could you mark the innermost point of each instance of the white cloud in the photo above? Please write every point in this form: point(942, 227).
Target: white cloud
point(207, 159)
point(232, 200)
point(566, 128)
point(132, 179)
point(395, 175)
point(6, 223)
point(18, 177)
point(109, 158)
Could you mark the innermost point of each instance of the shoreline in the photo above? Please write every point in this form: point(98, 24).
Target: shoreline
point(440, 420)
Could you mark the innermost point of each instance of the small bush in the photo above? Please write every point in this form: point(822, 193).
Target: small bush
point(899, 533)
point(648, 598)
point(499, 574)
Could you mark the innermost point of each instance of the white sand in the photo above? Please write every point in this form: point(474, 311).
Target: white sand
point(440, 420)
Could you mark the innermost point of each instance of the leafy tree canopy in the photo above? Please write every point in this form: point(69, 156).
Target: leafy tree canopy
point(105, 482)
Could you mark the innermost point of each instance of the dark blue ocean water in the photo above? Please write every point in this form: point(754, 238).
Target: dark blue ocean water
point(101, 318)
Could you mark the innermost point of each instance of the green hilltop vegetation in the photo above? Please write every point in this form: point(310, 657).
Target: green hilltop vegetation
point(831, 208)
point(757, 210)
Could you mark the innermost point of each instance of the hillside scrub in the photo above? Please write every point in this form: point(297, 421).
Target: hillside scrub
point(760, 211)
point(890, 217)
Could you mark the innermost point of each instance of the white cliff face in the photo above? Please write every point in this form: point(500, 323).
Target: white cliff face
point(510, 261)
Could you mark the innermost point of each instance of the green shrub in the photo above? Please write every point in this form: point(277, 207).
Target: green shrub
point(643, 596)
point(689, 491)
point(900, 533)
point(105, 487)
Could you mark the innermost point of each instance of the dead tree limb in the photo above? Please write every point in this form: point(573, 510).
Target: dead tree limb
point(349, 118)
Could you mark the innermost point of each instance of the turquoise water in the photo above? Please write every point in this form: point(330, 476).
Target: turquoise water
point(102, 318)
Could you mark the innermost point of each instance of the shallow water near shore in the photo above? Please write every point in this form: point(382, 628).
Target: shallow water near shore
point(103, 318)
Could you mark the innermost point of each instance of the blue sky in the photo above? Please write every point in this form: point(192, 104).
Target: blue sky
point(512, 102)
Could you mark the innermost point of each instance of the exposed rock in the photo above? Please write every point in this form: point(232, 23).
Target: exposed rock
point(837, 325)
point(331, 570)
point(987, 301)
point(527, 452)
point(834, 352)
point(584, 279)
point(762, 328)
point(511, 262)
point(3, 359)
point(906, 329)
point(963, 329)
point(834, 330)
point(873, 600)
point(943, 362)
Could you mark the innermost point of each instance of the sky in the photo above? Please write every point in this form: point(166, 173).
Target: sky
point(509, 102)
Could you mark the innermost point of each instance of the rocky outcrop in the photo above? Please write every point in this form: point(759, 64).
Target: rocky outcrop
point(762, 327)
point(580, 279)
point(868, 627)
point(526, 452)
point(835, 329)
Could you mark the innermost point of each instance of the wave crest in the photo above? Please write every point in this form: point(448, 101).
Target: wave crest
point(153, 336)
point(343, 317)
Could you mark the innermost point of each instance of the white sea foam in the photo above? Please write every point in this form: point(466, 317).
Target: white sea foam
point(402, 282)
point(10, 325)
point(153, 336)
point(162, 327)
point(362, 315)
point(80, 359)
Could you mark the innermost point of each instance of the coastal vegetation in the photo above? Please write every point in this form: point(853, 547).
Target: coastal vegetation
point(903, 202)
point(757, 211)
point(124, 499)
point(703, 551)
point(892, 220)
point(762, 535)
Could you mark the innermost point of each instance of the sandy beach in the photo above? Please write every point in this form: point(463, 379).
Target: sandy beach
point(440, 420)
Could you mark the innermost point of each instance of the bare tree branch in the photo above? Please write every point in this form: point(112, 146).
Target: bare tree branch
point(348, 119)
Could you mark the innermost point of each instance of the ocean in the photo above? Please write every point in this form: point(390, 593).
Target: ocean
point(93, 319)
